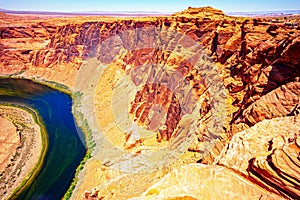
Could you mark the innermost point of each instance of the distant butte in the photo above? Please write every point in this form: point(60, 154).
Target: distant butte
point(200, 12)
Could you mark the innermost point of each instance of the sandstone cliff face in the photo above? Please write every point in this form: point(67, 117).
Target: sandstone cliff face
point(282, 101)
point(19, 39)
point(255, 58)
point(258, 63)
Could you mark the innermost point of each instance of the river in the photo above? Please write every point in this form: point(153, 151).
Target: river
point(65, 148)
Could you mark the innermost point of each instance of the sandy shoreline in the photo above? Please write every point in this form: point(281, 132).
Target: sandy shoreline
point(26, 157)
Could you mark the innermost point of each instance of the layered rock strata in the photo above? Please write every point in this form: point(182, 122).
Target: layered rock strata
point(267, 153)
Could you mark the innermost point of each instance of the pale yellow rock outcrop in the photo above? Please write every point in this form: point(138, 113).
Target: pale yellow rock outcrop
point(197, 181)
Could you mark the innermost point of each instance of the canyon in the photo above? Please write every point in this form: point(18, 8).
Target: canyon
point(210, 100)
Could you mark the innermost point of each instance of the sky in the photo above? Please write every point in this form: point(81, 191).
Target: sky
point(148, 5)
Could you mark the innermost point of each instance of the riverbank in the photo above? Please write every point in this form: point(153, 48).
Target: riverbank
point(76, 98)
point(51, 84)
point(28, 155)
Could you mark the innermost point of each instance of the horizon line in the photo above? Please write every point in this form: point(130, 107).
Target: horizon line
point(5, 9)
point(133, 11)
